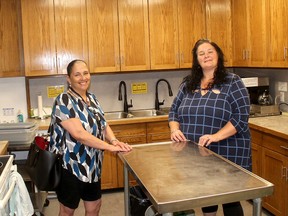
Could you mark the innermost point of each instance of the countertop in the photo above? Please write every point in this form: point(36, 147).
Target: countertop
point(3, 147)
point(275, 125)
point(44, 124)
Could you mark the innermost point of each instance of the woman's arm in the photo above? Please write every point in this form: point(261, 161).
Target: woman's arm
point(176, 133)
point(76, 130)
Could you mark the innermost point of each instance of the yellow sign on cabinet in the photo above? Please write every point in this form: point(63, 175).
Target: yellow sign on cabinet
point(139, 88)
point(54, 91)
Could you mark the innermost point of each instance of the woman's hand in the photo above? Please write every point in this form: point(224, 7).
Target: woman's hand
point(207, 139)
point(178, 136)
point(123, 147)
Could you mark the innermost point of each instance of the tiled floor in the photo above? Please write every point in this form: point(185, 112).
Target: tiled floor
point(113, 205)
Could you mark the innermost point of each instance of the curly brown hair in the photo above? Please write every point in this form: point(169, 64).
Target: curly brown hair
point(193, 80)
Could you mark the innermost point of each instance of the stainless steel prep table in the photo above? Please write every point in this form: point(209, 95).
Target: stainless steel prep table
point(182, 176)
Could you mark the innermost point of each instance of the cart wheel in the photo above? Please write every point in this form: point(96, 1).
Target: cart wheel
point(46, 203)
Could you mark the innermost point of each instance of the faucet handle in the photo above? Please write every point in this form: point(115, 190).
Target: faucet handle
point(130, 105)
point(161, 103)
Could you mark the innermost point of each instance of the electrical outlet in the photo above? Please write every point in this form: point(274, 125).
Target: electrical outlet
point(282, 96)
point(282, 86)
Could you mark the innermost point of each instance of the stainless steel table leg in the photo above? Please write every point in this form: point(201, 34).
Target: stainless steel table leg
point(257, 207)
point(126, 192)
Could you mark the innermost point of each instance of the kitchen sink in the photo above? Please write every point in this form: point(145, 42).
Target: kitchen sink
point(147, 113)
point(135, 113)
point(117, 115)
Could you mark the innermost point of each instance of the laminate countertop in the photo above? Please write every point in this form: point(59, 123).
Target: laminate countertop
point(275, 125)
point(3, 147)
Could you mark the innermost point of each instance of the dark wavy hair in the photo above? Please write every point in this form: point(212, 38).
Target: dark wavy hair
point(193, 80)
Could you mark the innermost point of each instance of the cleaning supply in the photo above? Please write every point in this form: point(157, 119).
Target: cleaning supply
point(20, 117)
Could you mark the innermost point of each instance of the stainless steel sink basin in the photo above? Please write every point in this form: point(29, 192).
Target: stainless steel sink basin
point(134, 113)
point(117, 115)
point(146, 113)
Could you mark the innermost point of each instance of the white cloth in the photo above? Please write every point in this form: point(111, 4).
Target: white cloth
point(20, 203)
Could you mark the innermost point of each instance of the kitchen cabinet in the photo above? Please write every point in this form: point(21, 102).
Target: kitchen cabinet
point(174, 28)
point(132, 134)
point(11, 62)
point(218, 26)
point(277, 22)
point(118, 35)
point(158, 132)
point(272, 164)
point(249, 33)
point(256, 139)
point(54, 33)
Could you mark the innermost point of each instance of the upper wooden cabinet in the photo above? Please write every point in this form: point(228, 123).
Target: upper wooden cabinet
point(54, 33)
point(10, 39)
point(218, 26)
point(118, 35)
point(277, 22)
point(249, 33)
point(191, 28)
point(174, 28)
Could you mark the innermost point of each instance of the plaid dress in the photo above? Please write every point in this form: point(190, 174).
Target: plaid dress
point(200, 114)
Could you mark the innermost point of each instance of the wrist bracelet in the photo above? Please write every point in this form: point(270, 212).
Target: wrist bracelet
point(112, 140)
point(173, 131)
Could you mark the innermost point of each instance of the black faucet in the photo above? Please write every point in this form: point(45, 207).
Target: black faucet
point(157, 103)
point(126, 106)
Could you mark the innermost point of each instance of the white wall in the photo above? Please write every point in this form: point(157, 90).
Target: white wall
point(13, 95)
point(105, 87)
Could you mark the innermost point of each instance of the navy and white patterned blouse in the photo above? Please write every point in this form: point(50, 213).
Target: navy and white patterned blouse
point(81, 160)
point(206, 114)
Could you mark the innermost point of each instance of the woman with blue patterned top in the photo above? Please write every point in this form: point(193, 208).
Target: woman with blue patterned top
point(212, 109)
point(78, 131)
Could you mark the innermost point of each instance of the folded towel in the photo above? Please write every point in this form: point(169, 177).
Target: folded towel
point(20, 203)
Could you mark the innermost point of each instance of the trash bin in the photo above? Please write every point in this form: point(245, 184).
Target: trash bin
point(138, 201)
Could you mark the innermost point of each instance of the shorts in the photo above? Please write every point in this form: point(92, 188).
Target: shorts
point(71, 190)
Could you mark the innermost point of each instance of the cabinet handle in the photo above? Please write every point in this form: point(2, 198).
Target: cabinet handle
point(247, 54)
point(182, 57)
point(243, 54)
point(285, 53)
point(284, 147)
point(284, 172)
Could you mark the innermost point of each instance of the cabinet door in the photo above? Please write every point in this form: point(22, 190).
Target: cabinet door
point(164, 45)
point(109, 169)
point(134, 35)
point(218, 26)
point(191, 22)
point(257, 53)
point(278, 31)
point(240, 32)
point(71, 32)
point(38, 37)
point(158, 132)
point(10, 43)
point(103, 36)
point(273, 170)
point(256, 158)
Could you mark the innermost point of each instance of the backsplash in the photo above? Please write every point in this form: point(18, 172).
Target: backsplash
point(105, 87)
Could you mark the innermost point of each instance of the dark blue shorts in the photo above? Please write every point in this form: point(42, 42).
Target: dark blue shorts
point(71, 190)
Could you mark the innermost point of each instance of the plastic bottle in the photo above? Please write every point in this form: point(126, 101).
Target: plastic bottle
point(20, 117)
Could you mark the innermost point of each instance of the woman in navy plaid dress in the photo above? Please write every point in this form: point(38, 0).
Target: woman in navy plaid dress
point(212, 109)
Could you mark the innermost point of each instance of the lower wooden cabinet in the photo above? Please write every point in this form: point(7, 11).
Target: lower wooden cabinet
point(270, 161)
point(136, 133)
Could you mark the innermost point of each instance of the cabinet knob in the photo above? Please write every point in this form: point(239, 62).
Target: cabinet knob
point(284, 172)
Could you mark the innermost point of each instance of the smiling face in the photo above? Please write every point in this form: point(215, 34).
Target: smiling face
point(79, 77)
point(207, 57)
